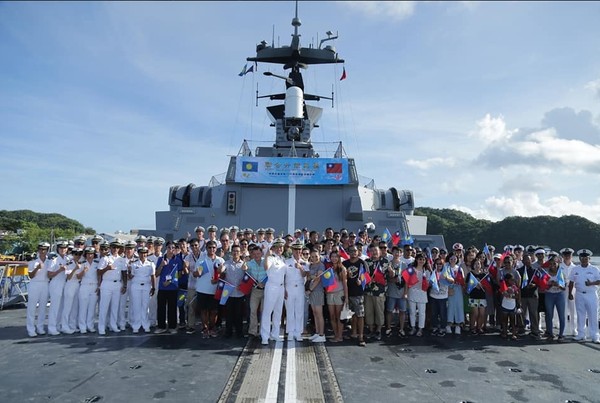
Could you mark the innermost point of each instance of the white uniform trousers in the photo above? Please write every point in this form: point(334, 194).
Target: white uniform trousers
point(88, 299)
point(68, 321)
point(122, 319)
point(294, 307)
point(37, 298)
point(110, 294)
point(138, 307)
point(270, 321)
point(153, 308)
point(55, 290)
point(587, 307)
point(570, 315)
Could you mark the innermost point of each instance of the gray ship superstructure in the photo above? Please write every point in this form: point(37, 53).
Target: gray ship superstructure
point(291, 184)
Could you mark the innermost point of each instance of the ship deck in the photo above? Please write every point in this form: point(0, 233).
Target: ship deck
point(148, 367)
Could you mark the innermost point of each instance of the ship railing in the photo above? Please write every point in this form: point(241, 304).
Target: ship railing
point(324, 149)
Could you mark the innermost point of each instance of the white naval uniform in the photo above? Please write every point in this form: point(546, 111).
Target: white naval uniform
point(37, 296)
point(571, 312)
point(586, 301)
point(55, 290)
point(140, 285)
point(121, 264)
point(88, 295)
point(110, 295)
point(70, 299)
point(153, 304)
point(294, 304)
point(270, 321)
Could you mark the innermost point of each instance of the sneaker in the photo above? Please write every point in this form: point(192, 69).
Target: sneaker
point(68, 331)
point(160, 331)
point(32, 334)
point(190, 330)
point(313, 337)
point(83, 332)
point(53, 333)
point(388, 332)
point(457, 330)
point(597, 341)
point(401, 333)
point(117, 330)
point(448, 330)
point(434, 332)
point(441, 333)
point(264, 342)
point(135, 331)
point(362, 343)
point(172, 331)
point(102, 332)
point(413, 331)
point(319, 339)
point(378, 336)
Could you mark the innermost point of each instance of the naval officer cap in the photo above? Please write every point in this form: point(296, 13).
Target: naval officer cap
point(297, 230)
point(234, 228)
point(540, 251)
point(269, 231)
point(225, 230)
point(89, 250)
point(584, 253)
point(43, 245)
point(518, 248)
point(62, 244)
point(142, 249)
point(117, 243)
point(151, 239)
point(159, 241)
point(140, 238)
point(260, 231)
point(80, 239)
point(248, 231)
point(297, 244)
point(278, 242)
point(566, 251)
point(104, 244)
point(199, 228)
point(530, 249)
point(78, 251)
point(212, 228)
point(97, 239)
point(552, 254)
point(130, 244)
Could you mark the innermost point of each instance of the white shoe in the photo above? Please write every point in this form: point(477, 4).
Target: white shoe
point(265, 342)
point(160, 331)
point(83, 332)
point(448, 330)
point(597, 341)
point(117, 330)
point(319, 339)
point(172, 331)
point(32, 334)
point(68, 331)
point(53, 333)
point(135, 331)
point(313, 337)
point(147, 330)
point(102, 333)
point(457, 330)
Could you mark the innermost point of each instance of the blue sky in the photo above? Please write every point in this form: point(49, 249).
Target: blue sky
point(491, 107)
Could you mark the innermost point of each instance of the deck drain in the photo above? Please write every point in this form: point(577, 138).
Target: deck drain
point(431, 371)
point(515, 370)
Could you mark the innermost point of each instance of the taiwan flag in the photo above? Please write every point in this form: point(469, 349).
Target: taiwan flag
point(378, 276)
point(248, 282)
point(502, 287)
point(410, 276)
point(227, 290)
point(424, 283)
point(219, 291)
point(541, 278)
point(343, 254)
point(459, 278)
point(493, 270)
point(485, 283)
point(334, 168)
point(249, 166)
point(396, 237)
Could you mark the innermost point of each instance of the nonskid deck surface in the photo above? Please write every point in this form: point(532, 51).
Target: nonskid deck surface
point(141, 368)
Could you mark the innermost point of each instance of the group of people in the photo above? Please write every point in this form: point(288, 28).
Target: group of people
point(244, 275)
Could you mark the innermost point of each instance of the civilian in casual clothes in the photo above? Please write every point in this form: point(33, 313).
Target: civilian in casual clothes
point(529, 297)
point(316, 294)
point(338, 296)
point(354, 266)
point(234, 271)
point(439, 301)
point(555, 298)
point(395, 293)
point(477, 301)
point(417, 296)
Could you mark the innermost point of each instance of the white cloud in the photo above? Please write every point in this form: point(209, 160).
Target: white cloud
point(429, 163)
point(398, 10)
point(594, 86)
point(491, 129)
point(529, 204)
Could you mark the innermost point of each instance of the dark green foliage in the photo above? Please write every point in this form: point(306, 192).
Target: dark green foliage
point(556, 232)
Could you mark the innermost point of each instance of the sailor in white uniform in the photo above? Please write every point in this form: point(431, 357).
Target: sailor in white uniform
point(58, 279)
point(567, 265)
point(153, 305)
point(274, 264)
point(142, 285)
point(88, 290)
point(585, 278)
point(71, 294)
point(112, 285)
point(37, 290)
point(122, 263)
point(295, 277)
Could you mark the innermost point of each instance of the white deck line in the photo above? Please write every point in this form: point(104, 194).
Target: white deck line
point(290, 373)
point(273, 386)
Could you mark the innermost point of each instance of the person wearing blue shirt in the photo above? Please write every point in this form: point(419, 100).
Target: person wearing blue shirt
point(168, 269)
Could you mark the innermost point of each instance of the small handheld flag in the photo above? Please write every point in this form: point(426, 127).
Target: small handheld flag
point(525, 280)
point(328, 278)
point(386, 236)
point(560, 277)
point(227, 290)
point(425, 282)
point(396, 238)
point(247, 284)
point(364, 277)
point(434, 281)
point(486, 285)
point(410, 276)
point(472, 283)
point(219, 290)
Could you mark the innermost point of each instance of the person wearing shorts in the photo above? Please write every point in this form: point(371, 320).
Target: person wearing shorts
point(355, 267)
